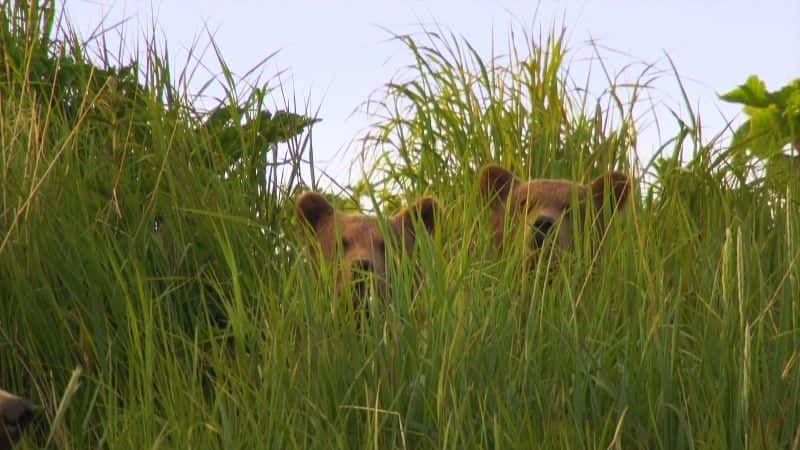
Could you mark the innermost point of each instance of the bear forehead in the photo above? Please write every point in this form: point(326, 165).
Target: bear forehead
point(358, 226)
point(551, 192)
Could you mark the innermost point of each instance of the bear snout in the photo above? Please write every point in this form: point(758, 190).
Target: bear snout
point(362, 266)
point(15, 414)
point(542, 227)
point(361, 272)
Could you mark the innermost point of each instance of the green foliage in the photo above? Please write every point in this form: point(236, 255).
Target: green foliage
point(772, 128)
point(458, 111)
point(115, 188)
point(151, 246)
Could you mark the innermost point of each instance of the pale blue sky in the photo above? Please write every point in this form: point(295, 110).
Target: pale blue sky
point(336, 53)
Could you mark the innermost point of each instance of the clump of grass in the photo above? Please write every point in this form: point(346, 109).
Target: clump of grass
point(631, 346)
point(152, 246)
point(455, 110)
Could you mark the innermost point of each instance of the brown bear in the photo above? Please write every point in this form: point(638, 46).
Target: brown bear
point(354, 245)
point(541, 208)
point(15, 414)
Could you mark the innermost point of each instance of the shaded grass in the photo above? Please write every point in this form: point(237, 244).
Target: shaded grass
point(197, 322)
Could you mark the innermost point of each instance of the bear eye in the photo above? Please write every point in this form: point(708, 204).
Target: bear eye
point(380, 246)
point(346, 243)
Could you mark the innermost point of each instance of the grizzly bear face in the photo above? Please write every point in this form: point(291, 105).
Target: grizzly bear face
point(355, 245)
point(15, 414)
point(543, 210)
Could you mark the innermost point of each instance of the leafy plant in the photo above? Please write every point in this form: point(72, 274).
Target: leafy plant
point(771, 133)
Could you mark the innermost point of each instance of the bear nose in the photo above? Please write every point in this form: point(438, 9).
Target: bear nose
point(16, 412)
point(24, 415)
point(363, 265)
point(362, 268)
point(541, 228)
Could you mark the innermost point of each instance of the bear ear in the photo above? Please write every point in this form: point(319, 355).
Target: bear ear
point(424, 209)
point(615, 183)
point(496, 182)
point(312, 208)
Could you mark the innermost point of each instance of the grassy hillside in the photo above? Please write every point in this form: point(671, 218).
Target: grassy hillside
point(154, 293)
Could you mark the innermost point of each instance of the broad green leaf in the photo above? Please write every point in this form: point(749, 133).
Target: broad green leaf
point(752, 93)
point(784, 95)
point(767, 134)
point(740, 139)
point(791, 114)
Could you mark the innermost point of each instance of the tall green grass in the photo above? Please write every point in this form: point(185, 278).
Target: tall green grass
point(173, 280)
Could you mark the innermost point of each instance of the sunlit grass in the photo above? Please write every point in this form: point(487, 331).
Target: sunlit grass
point(183, 296)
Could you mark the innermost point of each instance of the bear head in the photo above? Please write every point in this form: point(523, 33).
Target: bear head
point(543, 210)
point(355, 245)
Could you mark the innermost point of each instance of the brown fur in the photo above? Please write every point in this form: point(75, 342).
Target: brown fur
point(352, 243)
point(540, 208)
point(15, 414)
